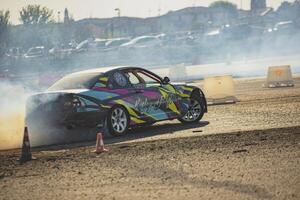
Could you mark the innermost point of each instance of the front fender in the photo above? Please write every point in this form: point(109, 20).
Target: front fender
point(186, 91)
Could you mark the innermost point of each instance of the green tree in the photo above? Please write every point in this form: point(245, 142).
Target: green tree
point(35, 14)
point(4, 23)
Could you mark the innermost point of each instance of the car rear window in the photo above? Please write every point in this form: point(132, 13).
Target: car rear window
point(76, 81)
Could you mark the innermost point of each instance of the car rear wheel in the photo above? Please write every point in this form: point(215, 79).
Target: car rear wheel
point(118, 121)
point(194, 113)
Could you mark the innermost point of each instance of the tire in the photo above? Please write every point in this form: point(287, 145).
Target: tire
point(118, 121)
point(193, 115)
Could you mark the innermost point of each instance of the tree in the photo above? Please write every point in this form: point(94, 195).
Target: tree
point(231, 7)
point(285, 6)
point(35, 14)
point(4, 19)
point(289, 11)
point(4, 23)
point(66, 16)
point(223, 11)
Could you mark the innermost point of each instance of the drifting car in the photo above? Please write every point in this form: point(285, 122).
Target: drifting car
point(122, 97)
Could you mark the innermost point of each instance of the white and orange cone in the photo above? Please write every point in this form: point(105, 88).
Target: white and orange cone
point(100, 144)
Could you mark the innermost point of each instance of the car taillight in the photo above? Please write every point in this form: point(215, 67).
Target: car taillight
point(68, 104)
point(73, 102)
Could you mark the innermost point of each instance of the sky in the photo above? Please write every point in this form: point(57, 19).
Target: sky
point(80, 9)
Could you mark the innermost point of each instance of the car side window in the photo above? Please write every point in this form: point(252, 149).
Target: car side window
point(148, 80)
point(118, 80)
point(135, 81)
point(132, 78)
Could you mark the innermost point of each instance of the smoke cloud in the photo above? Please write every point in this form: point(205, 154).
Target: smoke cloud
point(12, 115)
point(240, 50)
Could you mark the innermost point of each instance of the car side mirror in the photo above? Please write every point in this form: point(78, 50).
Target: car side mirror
point(166, 80)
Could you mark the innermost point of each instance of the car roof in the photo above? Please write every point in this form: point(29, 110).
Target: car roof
point(95, 70)
point(106, 70)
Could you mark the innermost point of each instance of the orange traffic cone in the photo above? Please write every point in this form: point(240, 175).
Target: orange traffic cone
point(99, 144)
point(26, 152)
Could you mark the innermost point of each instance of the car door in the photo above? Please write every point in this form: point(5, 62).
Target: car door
point(131, 95)
point(155, 100)
point(147, 99)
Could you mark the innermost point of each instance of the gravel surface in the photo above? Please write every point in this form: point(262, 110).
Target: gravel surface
point(247, 150)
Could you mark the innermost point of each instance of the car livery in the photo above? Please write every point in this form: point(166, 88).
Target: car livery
point(124, 97)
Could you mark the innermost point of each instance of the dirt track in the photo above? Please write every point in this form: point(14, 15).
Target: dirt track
point(255, 155)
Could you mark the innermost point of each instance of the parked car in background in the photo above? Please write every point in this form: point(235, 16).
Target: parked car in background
point(93, 44)
point(116, 42)
point(285, 27)
point(99, 43)
point(236, 32)
point(15, 52)
point(142, 42)
point(35, 52)
point(82, 46)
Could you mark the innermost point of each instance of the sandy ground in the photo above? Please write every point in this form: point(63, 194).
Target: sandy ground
point(247, 150)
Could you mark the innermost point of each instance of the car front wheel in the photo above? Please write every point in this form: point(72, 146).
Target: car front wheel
point(118, 121)
point(194, 113)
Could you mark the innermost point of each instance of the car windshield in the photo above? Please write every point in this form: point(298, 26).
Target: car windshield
point(35, 51)
point(76, 81)
point(116, 42)
point(146, 39)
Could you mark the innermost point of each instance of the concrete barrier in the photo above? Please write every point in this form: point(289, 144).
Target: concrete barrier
point(178, 73)
point(279, 76)
point(162, 72)
point(219, 90)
